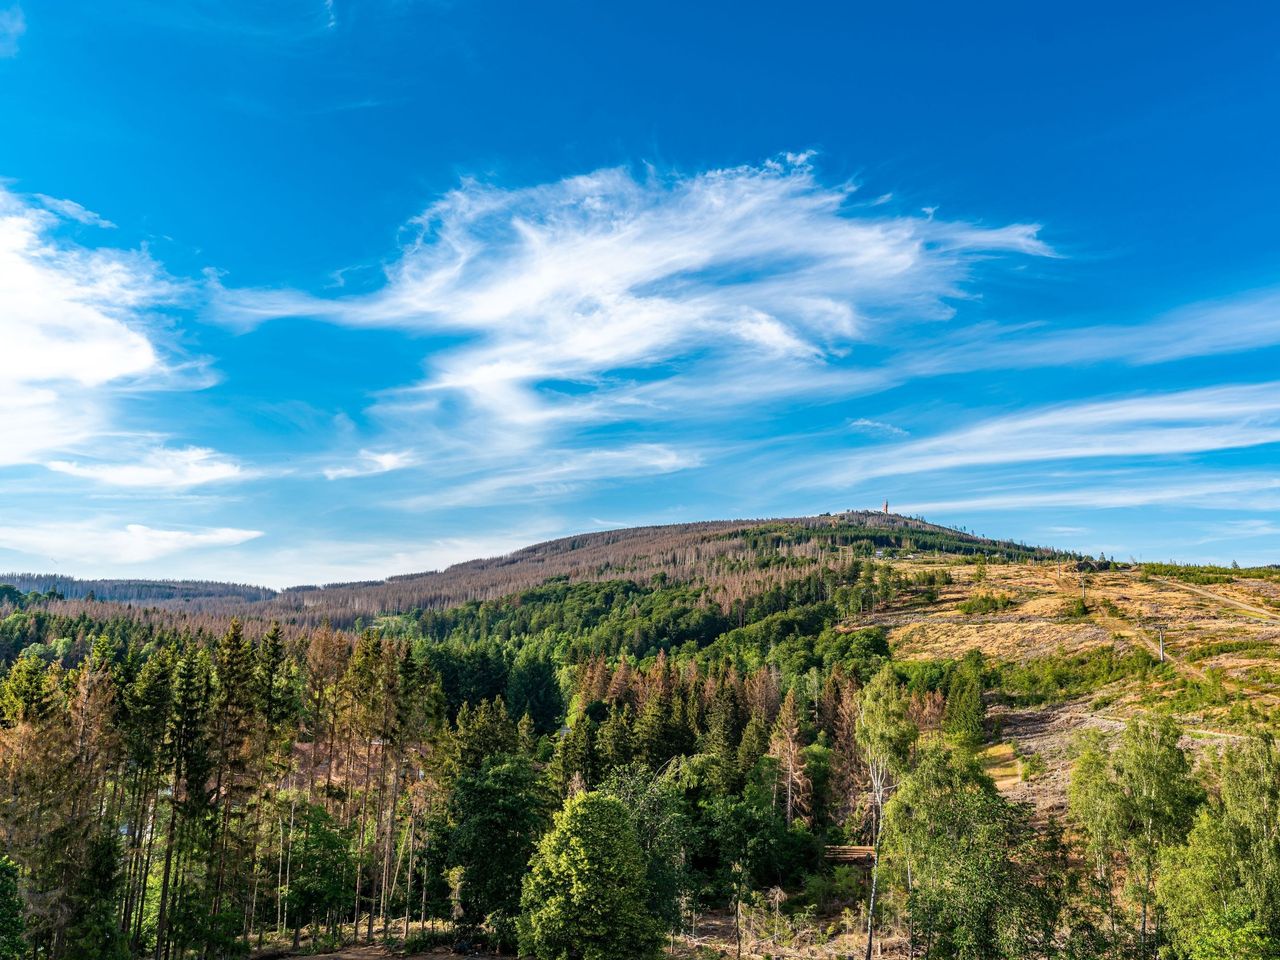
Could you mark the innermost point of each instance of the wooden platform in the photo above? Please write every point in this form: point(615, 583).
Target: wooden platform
point(863, 856)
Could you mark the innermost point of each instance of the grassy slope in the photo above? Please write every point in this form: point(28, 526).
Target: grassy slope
point(1221, 674)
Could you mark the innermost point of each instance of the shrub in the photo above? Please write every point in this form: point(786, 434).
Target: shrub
point(986, 603)
point(1075, 608)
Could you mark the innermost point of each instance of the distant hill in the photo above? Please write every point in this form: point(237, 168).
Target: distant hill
point(131, 591)
point(734, 558)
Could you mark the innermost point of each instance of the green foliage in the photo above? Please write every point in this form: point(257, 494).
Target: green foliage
point(1207, 574)
point(1137, 799)
point(986, 603)
point(321, 867)
point(1060, 675)
point(499, 811)
point(12, 596)
point(1221, 891)
point(12, 944)
point(884, 731)
point(655, 808)
point(1031, 766)
point(1075, 609)
point(985, 885)
point(94, 899)
point(258, 779)
point(1195, 693)
point(965, 711)
point(533, 689)
point(980, 569)
point(25, 692)
point(586, 895)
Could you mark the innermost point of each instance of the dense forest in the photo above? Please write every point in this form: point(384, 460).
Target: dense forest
point(595, 767)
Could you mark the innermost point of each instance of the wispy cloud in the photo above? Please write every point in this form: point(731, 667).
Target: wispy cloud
point(1232, 530)
point(615, 298)
point(322, 561)
point(371, 462)
point(557, 473)
point(102, 541)
point(1188, 421)
point(1131, 489)
point(1227, 325)
point(161, 468)
point(876, 427)
point(74, 211)
point(12, 26)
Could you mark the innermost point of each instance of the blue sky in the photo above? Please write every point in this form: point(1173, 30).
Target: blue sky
point(347, 289)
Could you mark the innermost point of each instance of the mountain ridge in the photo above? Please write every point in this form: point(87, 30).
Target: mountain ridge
point(732, 556)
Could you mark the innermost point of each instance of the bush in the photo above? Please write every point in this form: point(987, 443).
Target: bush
point(1031, 766)
point(986, 603)
point(1075, 608)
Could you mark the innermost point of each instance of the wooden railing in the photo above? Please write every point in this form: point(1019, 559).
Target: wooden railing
point(863, 856)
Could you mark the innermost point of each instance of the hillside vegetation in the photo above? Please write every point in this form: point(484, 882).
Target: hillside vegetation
point(638, 741)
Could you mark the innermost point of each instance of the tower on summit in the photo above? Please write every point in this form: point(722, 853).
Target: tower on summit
point(886, 506)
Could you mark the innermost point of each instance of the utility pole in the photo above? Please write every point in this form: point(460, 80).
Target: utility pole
point(1157, 624)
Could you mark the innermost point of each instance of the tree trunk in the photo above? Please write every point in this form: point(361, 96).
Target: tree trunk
point(875, 873)
point(162, 918)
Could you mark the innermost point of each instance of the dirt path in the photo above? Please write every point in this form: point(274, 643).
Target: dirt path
point(379, 952)
point(1113, 624)
point(1228, 601)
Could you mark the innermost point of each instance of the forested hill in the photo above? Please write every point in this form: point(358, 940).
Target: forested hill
point(735, 559)
point(134, 591)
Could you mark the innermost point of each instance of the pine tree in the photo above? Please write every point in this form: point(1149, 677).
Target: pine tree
point(94, 932)
point(188, 750)
point(148, 702)
point(787, 750)
point(615, 743)
point(964, 712)
point(498, 812)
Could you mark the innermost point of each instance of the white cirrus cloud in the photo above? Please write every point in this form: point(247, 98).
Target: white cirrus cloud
point(1236, 529)
point(161, 468)
point(561, 472)
point(337, 561)
point(102, 541)
point(370, 462)
point(71, 210)
point(1187, 421)
point(1124, 491)
point(863, 425)
point(576, 301)
point(1231, 324)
